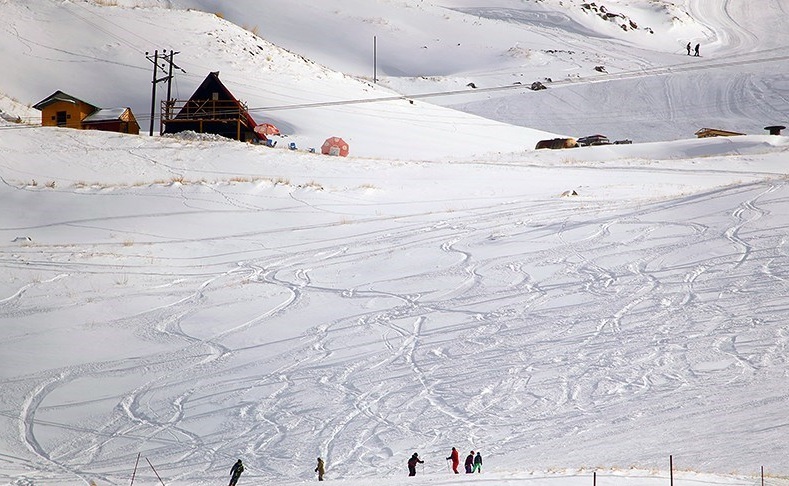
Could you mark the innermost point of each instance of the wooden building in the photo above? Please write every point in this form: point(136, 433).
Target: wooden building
point(715, 132)
point(119, 120)
point(63, 110)
point(211, 109)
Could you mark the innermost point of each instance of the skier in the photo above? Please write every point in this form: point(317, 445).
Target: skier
point(696, 51)
point(688, 48)
point(321, 469)
point(455, 460)
point(235, 472)
point(412, 464)
point(477, 463)
point(469, 462)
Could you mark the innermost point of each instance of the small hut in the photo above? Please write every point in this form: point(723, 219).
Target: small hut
point(119, 120)
point(63, 110)
point(715, 132)
point(556, 143)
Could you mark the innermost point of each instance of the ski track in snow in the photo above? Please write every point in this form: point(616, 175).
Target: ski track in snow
point(531, 290)
point(548, 333)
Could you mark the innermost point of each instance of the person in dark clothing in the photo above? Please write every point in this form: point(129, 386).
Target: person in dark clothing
point(235, 472)
point(688, 48)
point(696, 51)
point(455, 460)
point(469, 462)
point(321, 469)
point(477, 463)
point(412, 464)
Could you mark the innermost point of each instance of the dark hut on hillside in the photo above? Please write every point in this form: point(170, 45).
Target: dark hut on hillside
point(211, 109)
point(715, 132)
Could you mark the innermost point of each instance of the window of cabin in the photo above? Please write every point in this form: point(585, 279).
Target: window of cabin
point(61, 118)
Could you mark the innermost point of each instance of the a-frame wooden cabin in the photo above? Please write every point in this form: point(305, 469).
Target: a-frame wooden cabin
point(211, 109)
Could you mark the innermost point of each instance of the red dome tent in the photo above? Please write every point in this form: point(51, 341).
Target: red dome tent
point(335, 146)
point(266, 129)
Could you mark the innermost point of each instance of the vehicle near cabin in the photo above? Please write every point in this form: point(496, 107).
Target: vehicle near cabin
point(593, 140)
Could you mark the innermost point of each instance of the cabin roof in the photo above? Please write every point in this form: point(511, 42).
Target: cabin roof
point(60, 96)
point(105, 114)
point(717, 130)
point(212, 84)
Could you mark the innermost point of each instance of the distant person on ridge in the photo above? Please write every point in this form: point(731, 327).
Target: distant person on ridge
point(455, 460)
point(235, 472)
point(688, 48)
point(321, 469)
point(412, 464)
point(477, 463)
point(469, 462)
point(696, 50)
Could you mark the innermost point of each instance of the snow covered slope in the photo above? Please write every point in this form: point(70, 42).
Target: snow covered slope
point(189, 301)
point(198, 301)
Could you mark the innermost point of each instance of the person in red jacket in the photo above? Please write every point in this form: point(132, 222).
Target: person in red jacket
point(455, 460)
point(412, 464)
point(469, 462)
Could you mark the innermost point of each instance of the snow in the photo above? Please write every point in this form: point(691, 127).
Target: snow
point(575, 315)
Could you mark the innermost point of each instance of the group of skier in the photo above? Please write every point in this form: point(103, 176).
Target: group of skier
point(695, 50)
point(473, 464)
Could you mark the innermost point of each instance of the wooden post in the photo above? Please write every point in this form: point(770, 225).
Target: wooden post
point(154, 471)
point(375, 60)
point(762, 475)
point(594, 478)
point(671, 469)
point(134, 473)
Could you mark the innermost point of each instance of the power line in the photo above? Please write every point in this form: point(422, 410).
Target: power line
point(102, 29)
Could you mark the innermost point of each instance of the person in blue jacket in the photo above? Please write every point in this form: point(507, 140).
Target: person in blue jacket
point(469, 464)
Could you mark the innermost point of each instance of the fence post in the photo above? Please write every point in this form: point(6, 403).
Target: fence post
point(671, 468)
point(134, 473)
point(154, 471)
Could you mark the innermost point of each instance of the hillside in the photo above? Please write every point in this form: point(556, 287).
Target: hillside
point(179, 302)
point(650, 90)
point(106, 65)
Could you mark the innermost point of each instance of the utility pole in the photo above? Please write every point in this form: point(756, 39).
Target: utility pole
point(169, 103)
point(155, 80)
point(375, 59)
point(155, 62)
